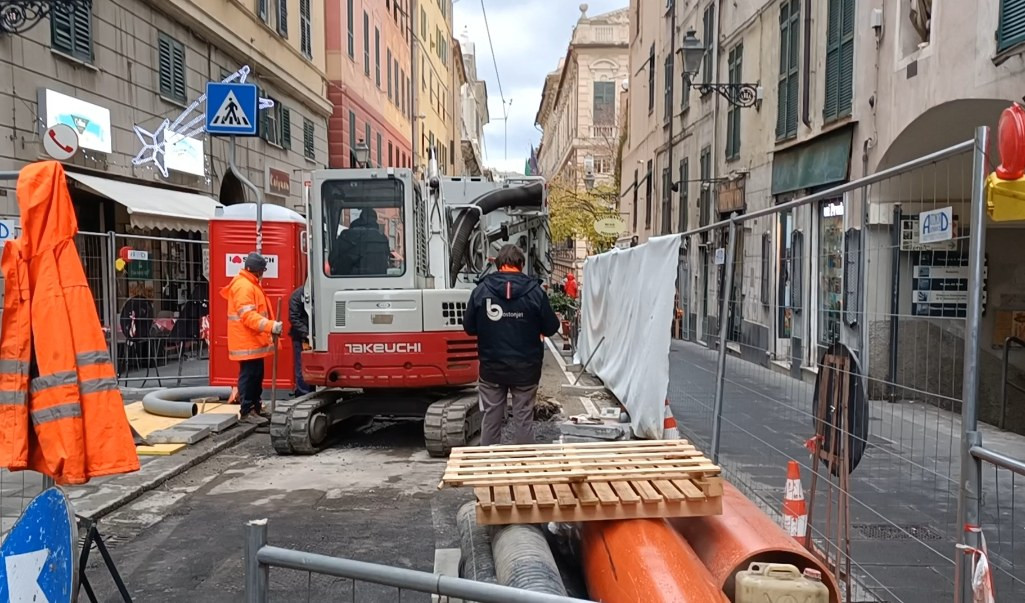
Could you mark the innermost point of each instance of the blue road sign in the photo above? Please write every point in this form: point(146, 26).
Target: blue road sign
point(38, 554)
point(231, 109)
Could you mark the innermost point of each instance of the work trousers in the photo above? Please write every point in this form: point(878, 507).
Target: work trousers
point(493, 399)
point(250, 385)
point(301, 387)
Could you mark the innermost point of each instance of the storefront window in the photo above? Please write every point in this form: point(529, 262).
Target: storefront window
point(830, 270)
point(787, 267)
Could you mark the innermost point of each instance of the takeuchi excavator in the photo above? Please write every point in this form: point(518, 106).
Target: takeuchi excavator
point(393, 260)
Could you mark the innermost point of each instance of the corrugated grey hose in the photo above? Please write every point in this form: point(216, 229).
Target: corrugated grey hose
point(476, 562)
point(523, 560)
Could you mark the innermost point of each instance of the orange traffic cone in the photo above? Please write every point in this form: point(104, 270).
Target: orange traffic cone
point(795, 512)
point(669, 429)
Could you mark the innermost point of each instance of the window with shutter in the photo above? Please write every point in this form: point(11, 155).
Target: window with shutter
point(261, 9)
point(309, 150)
point(667, 196)
point(684, 193)
point(604, 103)
point(283, 17)
point(668, 100)
point(368, 140)
point(839, 60)
point(636, 207)
point(389, 73)
point(366, 44)
point(789, 71)
point(391, 155)
point(71, 31)
point(705, 200)
point(352, 139)
point(171, 68)
point(352, 29)
point(379, 145)
point(305, 31)
point(647, 196)
point(708, 23)
point(285, 140)
point(377, 56)
point(1011, 28)
point(733, 112)
point(651, 78)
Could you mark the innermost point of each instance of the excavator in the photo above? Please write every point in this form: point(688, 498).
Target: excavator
point(393, 260)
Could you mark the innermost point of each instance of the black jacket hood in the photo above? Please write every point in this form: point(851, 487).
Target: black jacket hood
point(510, 285)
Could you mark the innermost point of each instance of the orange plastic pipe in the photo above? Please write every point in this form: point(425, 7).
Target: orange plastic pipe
point(644, 561)
point(728, 543)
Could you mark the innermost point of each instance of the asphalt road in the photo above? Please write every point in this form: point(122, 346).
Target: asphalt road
point(371, 497)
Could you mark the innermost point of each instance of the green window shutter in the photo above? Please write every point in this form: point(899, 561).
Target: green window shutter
point(178, 71)
point(83, 32)
point(1011, 30)
point(379, 145)
point(305, 30)
point(789, 73)
point(283, 17)
point(351, 28)
point(845, 91)
point(308, 144)
point(377, 56)
point(286, 128)
point(684, 197)
point(265, 117)
point(832, 96)
point(165, 66)
point(784, 69)
point(61, 30)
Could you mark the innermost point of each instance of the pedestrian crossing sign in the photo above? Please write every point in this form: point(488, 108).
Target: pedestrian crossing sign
point(231, 109)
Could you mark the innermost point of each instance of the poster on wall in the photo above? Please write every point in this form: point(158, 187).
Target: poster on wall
point(939, 285)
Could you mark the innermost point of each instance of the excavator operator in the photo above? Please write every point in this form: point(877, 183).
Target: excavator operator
point(362, 249)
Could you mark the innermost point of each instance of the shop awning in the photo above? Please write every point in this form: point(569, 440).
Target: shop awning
point(154, 207)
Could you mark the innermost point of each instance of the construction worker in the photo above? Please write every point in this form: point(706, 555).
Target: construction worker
point(510, 314)
point(299, 331)
point(252, 334)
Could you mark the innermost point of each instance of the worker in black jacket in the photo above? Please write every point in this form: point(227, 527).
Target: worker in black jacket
point(510, 314)
point(300, 334)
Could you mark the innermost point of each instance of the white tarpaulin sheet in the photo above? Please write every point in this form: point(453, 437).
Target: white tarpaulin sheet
point(627, 298)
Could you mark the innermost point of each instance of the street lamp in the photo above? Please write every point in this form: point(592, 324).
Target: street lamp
point(738, 95)
point(361, 152)
point(19, 16)
point(589, 172)
point(589, 181)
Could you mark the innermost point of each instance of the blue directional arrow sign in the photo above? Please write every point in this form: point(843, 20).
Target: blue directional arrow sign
point(231, 109)
point(37, 559)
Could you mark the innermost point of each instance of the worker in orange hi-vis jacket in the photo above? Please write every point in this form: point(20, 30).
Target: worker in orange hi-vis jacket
point(252, 334)
point(74, 403)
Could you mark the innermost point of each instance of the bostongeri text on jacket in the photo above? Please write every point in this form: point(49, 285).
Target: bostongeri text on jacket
point(509, 312)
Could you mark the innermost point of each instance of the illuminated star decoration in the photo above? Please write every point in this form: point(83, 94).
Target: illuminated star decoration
point(154, 144)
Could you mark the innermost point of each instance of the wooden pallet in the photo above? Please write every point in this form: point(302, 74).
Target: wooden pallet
point(587, 481)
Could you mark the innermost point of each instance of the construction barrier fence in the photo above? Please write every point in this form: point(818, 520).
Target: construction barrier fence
point(823, 329)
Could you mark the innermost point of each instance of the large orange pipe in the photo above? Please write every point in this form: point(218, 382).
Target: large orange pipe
point(644, 561)
point(728, 543)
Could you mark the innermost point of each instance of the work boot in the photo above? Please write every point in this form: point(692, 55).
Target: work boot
point(253, 419)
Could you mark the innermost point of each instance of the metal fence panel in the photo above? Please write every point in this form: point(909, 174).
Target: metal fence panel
point(842, 267)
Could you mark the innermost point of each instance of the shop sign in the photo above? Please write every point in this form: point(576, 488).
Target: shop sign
point(936, 226)
point(91, 122)
point(184, 154)
point(279, 182)
point(730, 197)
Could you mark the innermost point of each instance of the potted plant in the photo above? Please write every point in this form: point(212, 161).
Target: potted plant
point(565, 308)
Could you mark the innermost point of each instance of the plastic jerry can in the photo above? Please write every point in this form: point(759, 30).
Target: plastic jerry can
point(780, 583)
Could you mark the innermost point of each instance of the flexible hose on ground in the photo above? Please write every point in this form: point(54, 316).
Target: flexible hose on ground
point(523, 560)
point(518, 196)
point(177, 401)
point(476, 561)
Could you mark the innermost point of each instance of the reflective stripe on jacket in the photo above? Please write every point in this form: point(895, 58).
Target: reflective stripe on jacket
point(15, 356)
point(74, 404)
point(250, 319)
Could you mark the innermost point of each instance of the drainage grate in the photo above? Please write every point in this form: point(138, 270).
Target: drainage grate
point(885, 531)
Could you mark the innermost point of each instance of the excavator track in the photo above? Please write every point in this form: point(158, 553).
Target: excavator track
point(300, 425)
point(450, 423)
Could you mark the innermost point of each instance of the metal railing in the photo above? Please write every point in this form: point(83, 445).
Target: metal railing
point(782, 302)
point(259, 557)
point(1004, 381)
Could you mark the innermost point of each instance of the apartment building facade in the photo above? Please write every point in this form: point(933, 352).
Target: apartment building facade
point(435, 122)
point(845, 88)
point(125, 64)
point(473, 110)
point(578, 114)
point(369, 65)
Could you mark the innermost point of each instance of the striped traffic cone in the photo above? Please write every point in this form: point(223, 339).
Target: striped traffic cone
point(795, 512)
point(669, 429)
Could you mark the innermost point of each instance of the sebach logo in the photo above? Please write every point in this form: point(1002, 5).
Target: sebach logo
point(383, 348)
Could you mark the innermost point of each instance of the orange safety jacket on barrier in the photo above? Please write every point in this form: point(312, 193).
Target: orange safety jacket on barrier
point(79, 426)
point(15, 358)
point(249, 318)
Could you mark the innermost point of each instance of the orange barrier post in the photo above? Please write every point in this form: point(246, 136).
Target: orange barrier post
point(795, 513)
point(728, 543)
point(644, 561)
point(669, 428)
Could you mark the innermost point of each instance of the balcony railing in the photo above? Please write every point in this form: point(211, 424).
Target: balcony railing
point(605, 132)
